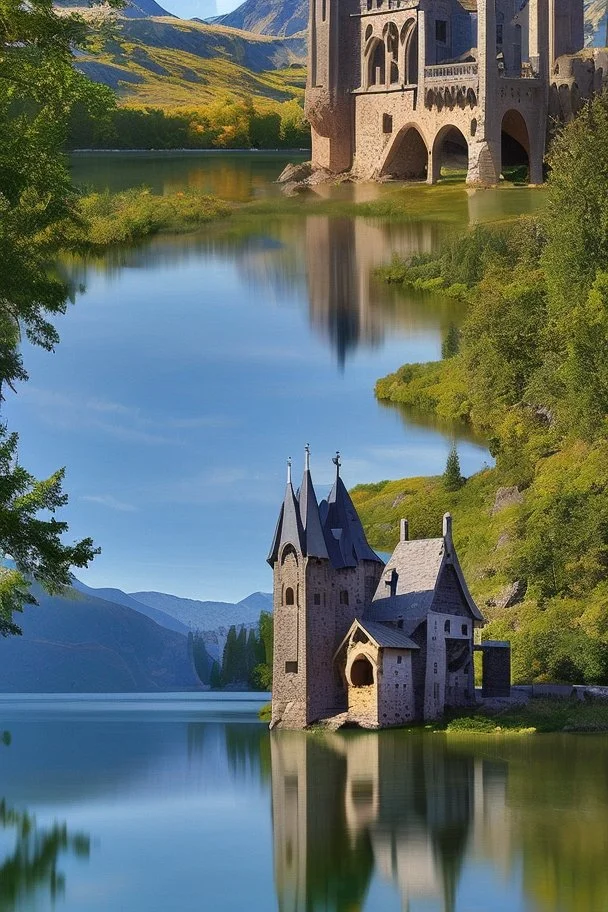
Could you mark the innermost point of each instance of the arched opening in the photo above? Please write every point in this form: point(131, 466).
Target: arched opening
point(344, 596)
point(289, 596)
point(411, 56)
point(391, 36)
point(450, 153)
point(408, 158)
point(362, 672)
point(376, 63)
point(515, 147)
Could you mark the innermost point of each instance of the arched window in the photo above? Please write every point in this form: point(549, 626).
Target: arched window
point(344, 597)
point(289, 599)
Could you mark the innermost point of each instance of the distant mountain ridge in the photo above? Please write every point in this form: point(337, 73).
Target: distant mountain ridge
point(83, 644)
point(207, 615)
point(268, 17)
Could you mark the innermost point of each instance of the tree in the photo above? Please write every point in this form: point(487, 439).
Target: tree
point(452, 477)
point(38, 88)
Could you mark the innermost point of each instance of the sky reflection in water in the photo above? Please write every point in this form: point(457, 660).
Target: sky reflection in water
point(168, 807)
point(193, 366)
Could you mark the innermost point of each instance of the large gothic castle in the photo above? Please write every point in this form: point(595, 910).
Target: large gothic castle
point(395, 85)
point(375, 644)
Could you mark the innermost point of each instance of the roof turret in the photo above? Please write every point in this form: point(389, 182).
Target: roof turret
point(309, 513)
point(289, 528)
point(344, 535)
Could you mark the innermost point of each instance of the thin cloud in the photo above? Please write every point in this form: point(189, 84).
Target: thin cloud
point(108, 500)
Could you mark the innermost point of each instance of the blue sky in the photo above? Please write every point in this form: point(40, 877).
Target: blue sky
point(202, 9)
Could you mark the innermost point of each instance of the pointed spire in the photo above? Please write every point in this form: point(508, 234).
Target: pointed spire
point(289, 525)
point(344, 535)
point(309, 511)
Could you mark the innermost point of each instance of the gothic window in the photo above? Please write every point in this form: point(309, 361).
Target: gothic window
point(441, 31)
point(377, 64)
point(344, 597)
point(447, 627)
point(289, 599)
point(291, 667)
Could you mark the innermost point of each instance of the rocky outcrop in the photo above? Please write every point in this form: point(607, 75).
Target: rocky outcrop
point(506, 497)
point(511, 595)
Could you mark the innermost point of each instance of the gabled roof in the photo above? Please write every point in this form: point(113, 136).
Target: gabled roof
point(416, 566)
point(383, 636)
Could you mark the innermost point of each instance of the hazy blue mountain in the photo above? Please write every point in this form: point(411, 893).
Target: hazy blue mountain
point(268, 17)
point(199, 615)
point(80, 643)
point(121, 598)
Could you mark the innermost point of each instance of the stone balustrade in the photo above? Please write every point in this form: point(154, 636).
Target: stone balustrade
point(451, 72)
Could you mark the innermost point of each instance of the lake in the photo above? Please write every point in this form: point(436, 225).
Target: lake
point(192, 366)
point(186, 802)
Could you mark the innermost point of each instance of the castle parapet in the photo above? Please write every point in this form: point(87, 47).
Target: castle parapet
point(451, 72)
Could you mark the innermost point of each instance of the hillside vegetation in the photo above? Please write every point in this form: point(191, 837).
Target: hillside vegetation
point(529, 370)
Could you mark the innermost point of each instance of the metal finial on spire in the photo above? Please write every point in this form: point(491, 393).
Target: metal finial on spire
point(336, 462)
point(289, 470)
point(307, 458)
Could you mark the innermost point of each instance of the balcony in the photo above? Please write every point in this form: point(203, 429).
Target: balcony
point(451, 72)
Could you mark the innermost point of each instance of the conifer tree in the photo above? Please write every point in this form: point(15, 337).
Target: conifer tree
point(452, 476)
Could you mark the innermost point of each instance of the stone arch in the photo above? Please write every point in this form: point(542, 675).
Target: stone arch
point(375, 63)
point(514, 141)
point(409, 55)
point(450, 146)
point(361, 672)
point(407, 158)
point(289, 551)
point(390, 34)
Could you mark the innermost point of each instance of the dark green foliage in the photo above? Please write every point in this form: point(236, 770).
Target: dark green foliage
point(451, 344)
point(231, 124)
point(532, 375)
point(244, 661)
point(452, 476)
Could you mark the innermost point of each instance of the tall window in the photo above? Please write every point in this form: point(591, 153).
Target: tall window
point(441, 31)
point(344, 597)
point(289, 599)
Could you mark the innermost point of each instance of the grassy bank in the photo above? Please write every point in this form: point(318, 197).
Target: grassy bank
point(537, 716)
point(106, 219)
point(527, 370)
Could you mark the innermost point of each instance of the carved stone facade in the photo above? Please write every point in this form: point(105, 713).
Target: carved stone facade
point(358, 640)
point(396, 85)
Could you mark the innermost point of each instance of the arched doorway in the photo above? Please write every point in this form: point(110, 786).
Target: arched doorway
point(515, 147)
point(450, 153)
point(361, 672)
point(408, 157)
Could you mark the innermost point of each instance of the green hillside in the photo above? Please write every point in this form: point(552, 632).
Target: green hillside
point(172, 63)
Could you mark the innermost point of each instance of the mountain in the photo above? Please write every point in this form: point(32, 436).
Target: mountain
point(268, 17)
point(81, 643)
point(171, 62)
point(121, 598)
point(211, 616)
point(135, 9)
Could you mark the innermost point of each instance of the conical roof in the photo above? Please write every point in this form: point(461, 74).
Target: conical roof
point(289, 528)
point(344, 535)
point(309, 513)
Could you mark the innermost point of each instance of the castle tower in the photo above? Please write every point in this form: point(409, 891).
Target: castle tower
point(329, 105)
point(324, 574)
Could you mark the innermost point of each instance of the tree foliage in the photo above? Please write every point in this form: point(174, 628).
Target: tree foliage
point(38, 88)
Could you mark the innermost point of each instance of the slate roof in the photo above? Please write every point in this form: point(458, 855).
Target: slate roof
point(311, 520)
point(383, 636)
point(344, 535)
point(289, 526)
point(418, 565)
point(386, 636)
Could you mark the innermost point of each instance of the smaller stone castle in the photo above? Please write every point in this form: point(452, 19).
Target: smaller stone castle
point(378, 644)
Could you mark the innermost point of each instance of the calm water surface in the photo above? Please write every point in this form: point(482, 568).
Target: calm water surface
point(147, 804)
point(192, 366)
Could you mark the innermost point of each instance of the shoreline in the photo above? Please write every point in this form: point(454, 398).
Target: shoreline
point(187, 151)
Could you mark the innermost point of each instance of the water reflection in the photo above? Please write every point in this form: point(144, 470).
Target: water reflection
point(423, 814)
point(32, 863)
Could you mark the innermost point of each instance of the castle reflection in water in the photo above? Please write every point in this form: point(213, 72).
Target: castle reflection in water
point(345, 805)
